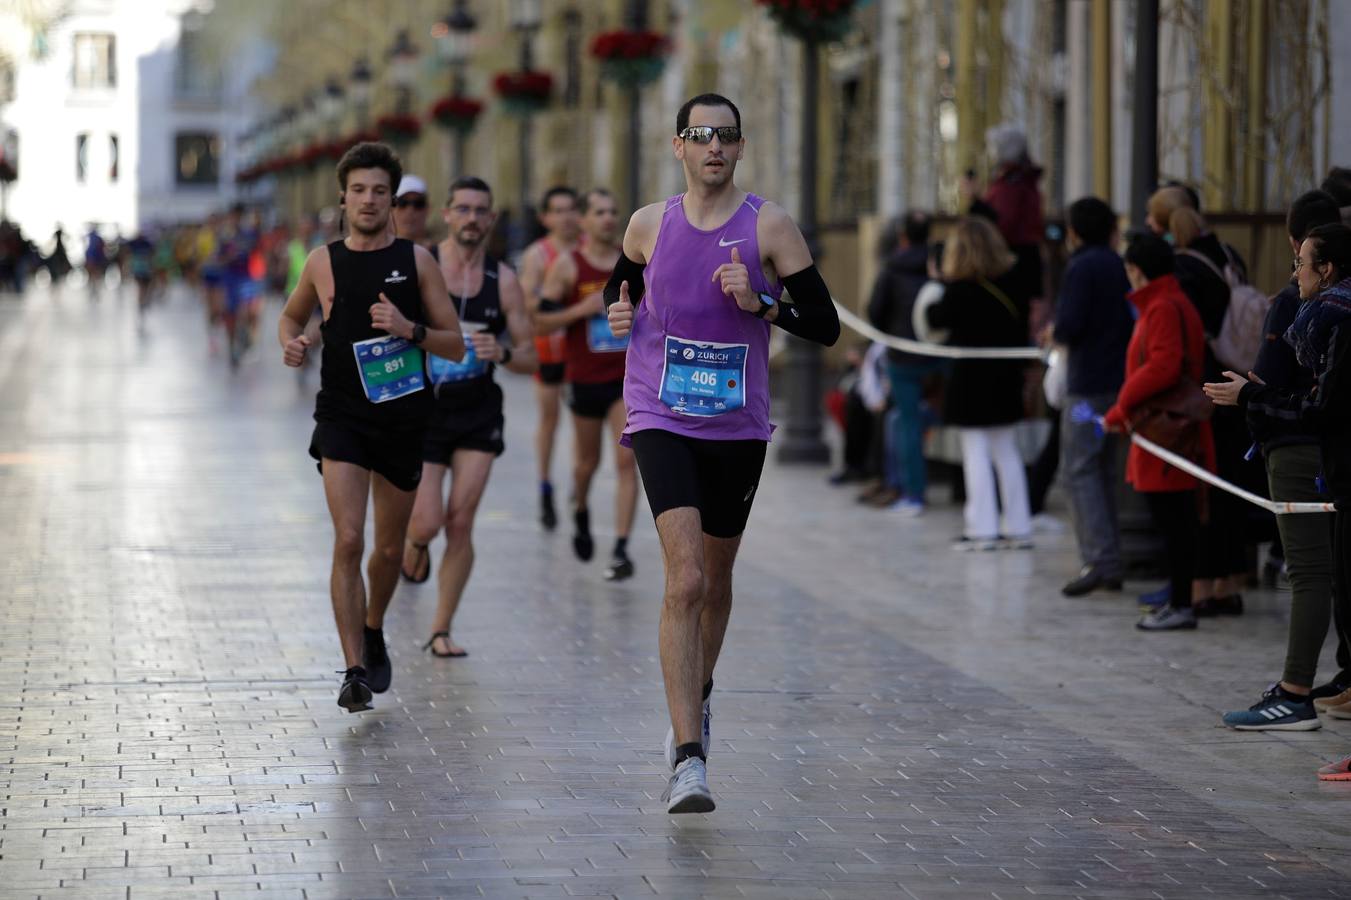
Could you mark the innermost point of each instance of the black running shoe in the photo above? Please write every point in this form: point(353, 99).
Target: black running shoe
point(582, 544)
point(376, 660)
point(620, 567)
point(355, 695)
point(547, 517)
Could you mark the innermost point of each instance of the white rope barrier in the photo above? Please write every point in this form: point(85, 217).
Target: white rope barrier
point(1280, 507)
point(923, 348)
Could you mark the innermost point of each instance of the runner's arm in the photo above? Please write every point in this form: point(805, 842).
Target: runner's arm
point(300, 305)
point(524, 359)
point(639, 239)
point(532, 276)
point(808, 311)
point(443, 324)
point(559, 280)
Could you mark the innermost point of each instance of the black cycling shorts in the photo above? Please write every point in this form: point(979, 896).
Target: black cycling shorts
point(550, 373)
point(396, 455)
point(473, 427)
point(718, 478)
point(593, 401)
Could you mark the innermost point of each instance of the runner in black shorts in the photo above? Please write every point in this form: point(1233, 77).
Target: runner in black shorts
point(375, 292)
point(558, 214)
point(464, 434)
point(571, 299)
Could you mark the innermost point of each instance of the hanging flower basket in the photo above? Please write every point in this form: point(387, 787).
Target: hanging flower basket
point(399, 128)
point(822, 21)
point(524, 93)
point(631, 58)
point(360, 136)
point(310, 157)
point(455, 113)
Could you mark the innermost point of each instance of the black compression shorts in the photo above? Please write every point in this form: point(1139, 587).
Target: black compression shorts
point(476, 426)
point(396, 455)
point(593, 401)
point(718, 478)
point(550, 373)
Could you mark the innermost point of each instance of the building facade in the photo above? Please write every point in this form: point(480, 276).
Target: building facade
point(121, 116)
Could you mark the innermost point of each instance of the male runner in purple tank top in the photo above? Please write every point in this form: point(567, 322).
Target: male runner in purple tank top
point(699, 282)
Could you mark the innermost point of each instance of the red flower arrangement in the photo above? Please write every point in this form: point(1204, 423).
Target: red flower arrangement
point(524, 93)
point(631, 57)
point(399, 128)
point(456, 113)
point(812, 20)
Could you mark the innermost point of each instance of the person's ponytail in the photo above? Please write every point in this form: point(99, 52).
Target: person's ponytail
point(1332, 245)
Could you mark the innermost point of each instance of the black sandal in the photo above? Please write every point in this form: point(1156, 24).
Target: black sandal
point(423, 553)
point(431, 646)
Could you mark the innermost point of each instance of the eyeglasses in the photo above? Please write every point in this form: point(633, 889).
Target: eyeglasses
point(414, 202)
point(481, 212)
point(703, 134)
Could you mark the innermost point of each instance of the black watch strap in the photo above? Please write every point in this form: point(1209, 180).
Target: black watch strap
point(419, 333)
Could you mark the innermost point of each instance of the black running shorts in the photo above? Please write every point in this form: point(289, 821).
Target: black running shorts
point(718, 478)
point(474, 427)
point(550, 373)
point(396, 455)
point(593, 401)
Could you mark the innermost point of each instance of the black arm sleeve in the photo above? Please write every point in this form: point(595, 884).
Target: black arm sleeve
point(625, 270)
point(809, 313)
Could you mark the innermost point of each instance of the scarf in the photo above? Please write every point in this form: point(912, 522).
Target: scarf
point(1312, 329)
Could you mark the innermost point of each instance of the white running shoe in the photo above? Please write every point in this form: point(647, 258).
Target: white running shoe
point(688, 790)
point(705, 739)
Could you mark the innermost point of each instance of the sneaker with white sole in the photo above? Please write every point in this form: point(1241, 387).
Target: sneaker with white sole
point(1276, 711)
point(1168, 618)
point(705, 738)
point(687, 791)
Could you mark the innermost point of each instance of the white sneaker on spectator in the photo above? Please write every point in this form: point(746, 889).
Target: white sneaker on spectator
point(906, 509)
point(1045, 523)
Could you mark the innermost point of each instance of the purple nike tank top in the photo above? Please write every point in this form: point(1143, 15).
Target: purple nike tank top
point(697, 364)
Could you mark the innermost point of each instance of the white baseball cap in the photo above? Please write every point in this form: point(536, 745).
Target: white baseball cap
point(411, 184)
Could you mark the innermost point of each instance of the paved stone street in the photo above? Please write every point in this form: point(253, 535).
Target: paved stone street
point(890, 719)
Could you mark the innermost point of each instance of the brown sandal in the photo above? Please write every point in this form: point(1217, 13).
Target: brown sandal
point(423, 554)
point(431, 646)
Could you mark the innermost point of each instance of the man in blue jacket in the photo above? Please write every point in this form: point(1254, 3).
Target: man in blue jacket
point(1093, 321)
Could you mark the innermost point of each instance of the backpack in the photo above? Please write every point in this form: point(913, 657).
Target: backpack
point(1241, 332)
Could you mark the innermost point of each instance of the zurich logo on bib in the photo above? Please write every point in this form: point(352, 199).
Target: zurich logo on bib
point(703, 379)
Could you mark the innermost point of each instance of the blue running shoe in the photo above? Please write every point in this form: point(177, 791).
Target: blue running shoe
point(1276, 711)
point(1156, 599)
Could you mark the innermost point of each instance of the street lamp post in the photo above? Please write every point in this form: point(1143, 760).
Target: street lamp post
point(526, 17)
point(359, 89)
point(637, 21)
point(1145, 109)
point(403, 59)
point(454, 42)
point(803, 442)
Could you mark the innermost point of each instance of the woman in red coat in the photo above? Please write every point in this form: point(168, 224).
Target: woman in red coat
point(1168, 344)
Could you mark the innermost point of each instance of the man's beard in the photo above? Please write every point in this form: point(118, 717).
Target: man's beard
point(472, 243)
point(381, 226)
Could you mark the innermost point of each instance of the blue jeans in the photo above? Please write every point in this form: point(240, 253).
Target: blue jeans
point(905, 451)
point(1091, 466)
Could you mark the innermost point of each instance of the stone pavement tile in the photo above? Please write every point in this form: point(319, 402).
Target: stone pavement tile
point(909, 742)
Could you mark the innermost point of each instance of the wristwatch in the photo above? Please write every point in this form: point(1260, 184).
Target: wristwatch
point(506, 356)
point(419, 333)
point(766, 304)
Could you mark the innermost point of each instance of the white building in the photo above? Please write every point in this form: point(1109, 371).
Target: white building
point(120, 118)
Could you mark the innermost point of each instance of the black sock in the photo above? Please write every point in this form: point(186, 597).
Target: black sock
point(583, 519)
point(359, 671)
point(621, 546)
point(708, 688)
point(377, 632)
point(1291, 695)
point(685, 751)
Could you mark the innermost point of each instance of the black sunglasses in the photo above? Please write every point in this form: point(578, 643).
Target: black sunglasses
point(415, 202)
point(703, 134)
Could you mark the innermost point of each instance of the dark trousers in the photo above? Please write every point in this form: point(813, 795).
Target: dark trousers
point(1341, 604)
point(1308, 561)
point(1174, 514)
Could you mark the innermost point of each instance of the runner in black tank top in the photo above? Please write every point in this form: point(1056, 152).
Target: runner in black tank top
point(465, 431)
point(383, 300)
